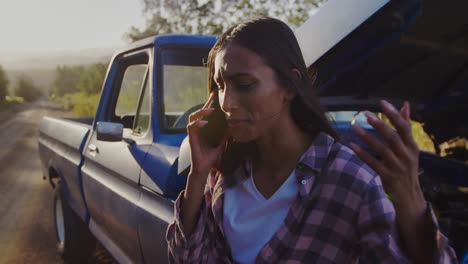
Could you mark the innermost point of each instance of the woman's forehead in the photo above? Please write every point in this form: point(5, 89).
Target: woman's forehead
point(234, 60)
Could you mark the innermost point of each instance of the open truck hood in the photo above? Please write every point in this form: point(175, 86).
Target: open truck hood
point(413, 50)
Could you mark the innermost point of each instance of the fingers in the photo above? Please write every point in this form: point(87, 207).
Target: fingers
point(205, 110)
point(405, 111)
point(197, 124)
point(192, 131)
point(375, 164)
point(391, 137)
point(375, 144)
point(400, 122)
point(197, 115)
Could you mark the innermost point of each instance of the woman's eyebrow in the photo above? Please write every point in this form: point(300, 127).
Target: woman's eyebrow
point(234, 76)
point(223, 76)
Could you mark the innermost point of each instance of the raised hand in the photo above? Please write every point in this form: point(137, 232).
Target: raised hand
point(399, 153)
point(398, 169)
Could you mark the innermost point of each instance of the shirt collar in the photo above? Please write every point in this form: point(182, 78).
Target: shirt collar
point(311, 164)
point(316, 155)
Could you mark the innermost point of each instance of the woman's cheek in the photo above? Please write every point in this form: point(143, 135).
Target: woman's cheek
point(245, 133)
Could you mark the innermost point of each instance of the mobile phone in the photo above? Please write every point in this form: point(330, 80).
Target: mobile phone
point(213, 132)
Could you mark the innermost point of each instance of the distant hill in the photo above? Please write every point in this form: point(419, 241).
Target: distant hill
point(42, 78)
point(41, 67)
point(50, 60)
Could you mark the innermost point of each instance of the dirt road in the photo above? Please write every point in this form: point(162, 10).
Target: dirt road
point(26, 225)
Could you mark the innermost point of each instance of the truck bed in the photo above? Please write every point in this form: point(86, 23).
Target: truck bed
point(61, 143)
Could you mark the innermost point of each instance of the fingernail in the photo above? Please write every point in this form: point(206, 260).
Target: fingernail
point(370, 116)
point(406, 104)
point(388, 105)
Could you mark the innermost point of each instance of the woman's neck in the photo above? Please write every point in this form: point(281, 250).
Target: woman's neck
point(283, 146)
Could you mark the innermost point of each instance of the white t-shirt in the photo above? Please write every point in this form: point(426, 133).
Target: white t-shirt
point(250, 220)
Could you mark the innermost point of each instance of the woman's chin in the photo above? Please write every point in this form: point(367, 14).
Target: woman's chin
point(242, 137)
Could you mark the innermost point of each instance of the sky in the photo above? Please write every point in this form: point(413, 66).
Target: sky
point(35, 26)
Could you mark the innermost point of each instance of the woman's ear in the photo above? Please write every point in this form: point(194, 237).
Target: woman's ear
point(291, 93)
point(296, 74)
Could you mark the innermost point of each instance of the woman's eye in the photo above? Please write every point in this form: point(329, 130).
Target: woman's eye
point(244, 87)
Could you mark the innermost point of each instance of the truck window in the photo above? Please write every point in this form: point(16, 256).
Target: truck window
point(130, 90)
point(185, 84)
point(131, 93)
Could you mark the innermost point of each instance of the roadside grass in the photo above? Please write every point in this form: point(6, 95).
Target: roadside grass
point(9, 107)
point(81, 104)
point(10, 102)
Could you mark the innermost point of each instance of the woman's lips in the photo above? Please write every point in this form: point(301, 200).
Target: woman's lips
point(235, 122)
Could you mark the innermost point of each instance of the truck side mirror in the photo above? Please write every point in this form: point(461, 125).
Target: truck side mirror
point(110, 132)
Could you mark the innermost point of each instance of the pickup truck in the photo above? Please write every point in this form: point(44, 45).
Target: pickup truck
point(116, 176)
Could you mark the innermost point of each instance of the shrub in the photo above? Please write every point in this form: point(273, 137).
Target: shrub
point(85, 105)
point(25, 88)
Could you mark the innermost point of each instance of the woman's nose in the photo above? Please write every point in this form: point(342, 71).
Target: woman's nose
point(228, 100)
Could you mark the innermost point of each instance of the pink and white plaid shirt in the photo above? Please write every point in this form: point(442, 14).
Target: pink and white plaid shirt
point(341, 215)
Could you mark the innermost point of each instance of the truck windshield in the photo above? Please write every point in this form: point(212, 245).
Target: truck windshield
point(184, 82)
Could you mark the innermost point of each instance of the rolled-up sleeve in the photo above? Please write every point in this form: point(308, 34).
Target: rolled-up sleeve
point(444, 254)
point(182, 249)
point(379, 239)
point(200, 246)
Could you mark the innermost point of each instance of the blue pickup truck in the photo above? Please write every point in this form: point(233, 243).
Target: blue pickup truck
point(115, 176)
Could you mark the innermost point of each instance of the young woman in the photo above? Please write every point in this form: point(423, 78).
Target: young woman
point(280, 188)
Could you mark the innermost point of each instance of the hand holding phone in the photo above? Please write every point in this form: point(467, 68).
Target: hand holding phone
point(206, 136)
point(213, 132)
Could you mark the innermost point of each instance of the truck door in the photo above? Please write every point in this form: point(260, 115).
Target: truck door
point(111, 169)
point(182, 88)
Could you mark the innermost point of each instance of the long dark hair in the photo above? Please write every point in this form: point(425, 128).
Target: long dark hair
point(275, 43)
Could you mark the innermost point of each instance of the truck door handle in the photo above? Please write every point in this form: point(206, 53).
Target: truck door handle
point(92, 148)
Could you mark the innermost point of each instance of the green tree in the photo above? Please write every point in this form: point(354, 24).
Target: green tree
point(4, 82)
point(92, 78)
point(66, 80)
point(215, 16)
point(25, 88)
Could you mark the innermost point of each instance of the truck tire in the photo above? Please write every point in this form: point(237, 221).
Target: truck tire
point(75, 243)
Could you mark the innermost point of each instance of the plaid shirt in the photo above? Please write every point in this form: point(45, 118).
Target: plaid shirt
point(341, 215)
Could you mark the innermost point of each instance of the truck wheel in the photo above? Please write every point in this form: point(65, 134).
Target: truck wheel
point(75, 243)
